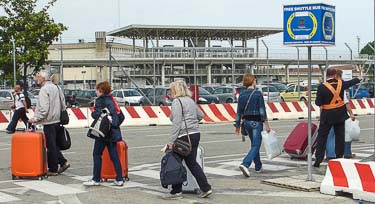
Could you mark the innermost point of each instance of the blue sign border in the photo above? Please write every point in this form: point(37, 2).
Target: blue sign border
point(309, 25)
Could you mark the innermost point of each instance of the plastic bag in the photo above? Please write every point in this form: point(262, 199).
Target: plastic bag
point(355, 130)
point(271, 144)
point(348, 127)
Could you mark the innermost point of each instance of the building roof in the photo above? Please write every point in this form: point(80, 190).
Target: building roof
point(171, 32)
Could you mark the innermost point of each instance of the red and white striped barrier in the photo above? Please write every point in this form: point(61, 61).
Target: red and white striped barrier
point(351, 176)
point(213, 113)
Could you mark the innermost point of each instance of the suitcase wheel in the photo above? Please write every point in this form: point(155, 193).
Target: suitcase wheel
point(14, 177)
point(126, 179)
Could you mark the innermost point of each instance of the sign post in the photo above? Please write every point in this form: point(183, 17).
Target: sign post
point(309, 25)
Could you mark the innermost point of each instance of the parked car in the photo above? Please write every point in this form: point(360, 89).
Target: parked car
point(359, 93)
point(291, 94)
point(210, 88)
point(370, 87)
point(5, 104)
point(226, 94)
point(206, 97)
point(279, 86)
point(8, 94)
point(273, 92)
point(70, 97)
point(85, 98)
point(162, 97)
point(127, 97)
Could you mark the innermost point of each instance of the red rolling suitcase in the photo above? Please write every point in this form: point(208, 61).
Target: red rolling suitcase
point(296, 143)
point(108, 170)
point(28, 155)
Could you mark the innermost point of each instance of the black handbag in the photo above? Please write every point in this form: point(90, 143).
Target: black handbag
point(180, 146)
point(63, 140)
point(243, 129)
point(64, 116)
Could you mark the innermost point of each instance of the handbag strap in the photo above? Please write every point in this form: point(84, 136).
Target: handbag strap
point(183, 116)
point(61, 105)
point(248, 101)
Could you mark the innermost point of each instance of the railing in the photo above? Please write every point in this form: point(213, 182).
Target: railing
point(225, 54)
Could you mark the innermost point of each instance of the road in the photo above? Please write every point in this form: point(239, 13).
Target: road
point(223, 154)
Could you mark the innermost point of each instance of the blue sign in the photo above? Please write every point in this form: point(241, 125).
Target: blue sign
point(309, 25)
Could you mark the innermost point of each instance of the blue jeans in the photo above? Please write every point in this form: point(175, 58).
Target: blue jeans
point(99, 147)
point(254, 129)
point(330, 147)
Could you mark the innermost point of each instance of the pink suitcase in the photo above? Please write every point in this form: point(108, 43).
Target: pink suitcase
point(296, 143)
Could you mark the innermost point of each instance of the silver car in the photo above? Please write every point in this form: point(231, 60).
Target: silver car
point(8, 94)
point(127, 97)
point(273, 93)
point(5, 104)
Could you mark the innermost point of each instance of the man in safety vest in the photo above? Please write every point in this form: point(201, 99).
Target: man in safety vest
point(330, 97)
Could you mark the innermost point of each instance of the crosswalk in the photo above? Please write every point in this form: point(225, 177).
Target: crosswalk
point(146, 175)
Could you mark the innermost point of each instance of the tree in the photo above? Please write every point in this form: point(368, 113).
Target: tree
point(33, 30)
point(367, 49)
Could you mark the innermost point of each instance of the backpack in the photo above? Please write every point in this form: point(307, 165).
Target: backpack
point(101, 127)
point(27, 100)
point(172, 170)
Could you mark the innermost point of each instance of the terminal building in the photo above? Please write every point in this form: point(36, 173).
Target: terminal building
point(190, 53)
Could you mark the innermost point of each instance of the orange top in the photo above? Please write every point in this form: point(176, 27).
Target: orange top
point(336, 101)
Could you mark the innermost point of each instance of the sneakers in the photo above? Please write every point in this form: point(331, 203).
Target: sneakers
point(259, 170)
point(91, 183)
point(9, 132)
point(63, 168)
point(170, 196)
point(245, 170)
point(316, 165)
point(50, 173)
point(118, 183)
point(206, 194)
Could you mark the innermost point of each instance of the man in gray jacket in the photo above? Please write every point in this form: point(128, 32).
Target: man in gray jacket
point(51, 102)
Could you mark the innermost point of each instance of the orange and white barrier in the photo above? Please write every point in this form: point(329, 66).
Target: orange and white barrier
point(351, 176)
point(213, 113)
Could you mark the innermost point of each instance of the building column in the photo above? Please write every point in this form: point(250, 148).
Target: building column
point(287, 73)
point(257, 48)
point(209, 75)
point(133, 46)
point(162, 75)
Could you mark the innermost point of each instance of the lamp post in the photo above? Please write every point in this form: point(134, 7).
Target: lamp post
point(84, 82)
point(351, 54)
point(268, 73)
point(195, 70)
point(298, 75)
point(61, 65)
point(14, 60)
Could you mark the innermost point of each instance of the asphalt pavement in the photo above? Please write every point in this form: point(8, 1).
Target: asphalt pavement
point(223, 153)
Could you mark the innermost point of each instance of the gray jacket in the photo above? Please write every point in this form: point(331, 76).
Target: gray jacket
point(49, 104)
point(192, 116)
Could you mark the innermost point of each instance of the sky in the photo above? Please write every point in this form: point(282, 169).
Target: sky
point(84, 17)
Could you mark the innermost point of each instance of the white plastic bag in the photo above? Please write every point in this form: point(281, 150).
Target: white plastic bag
point(348, 127)
point(271, 144)
point(355, 130)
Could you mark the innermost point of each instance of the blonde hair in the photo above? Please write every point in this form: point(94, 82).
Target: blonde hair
point(180, 89)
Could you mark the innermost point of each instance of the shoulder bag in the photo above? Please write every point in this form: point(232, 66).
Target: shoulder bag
point(64, 117)
point(181, 146)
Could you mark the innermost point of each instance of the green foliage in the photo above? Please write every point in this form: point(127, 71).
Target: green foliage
point(33, 31)
point(367, 49)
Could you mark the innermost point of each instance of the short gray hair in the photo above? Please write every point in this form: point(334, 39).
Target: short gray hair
point(44, 74)
point(180, 89)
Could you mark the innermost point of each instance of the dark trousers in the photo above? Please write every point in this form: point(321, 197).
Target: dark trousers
point(195, 169)
point(18, 114)
point(54, 155)
point(99, 147)
point(323, 132)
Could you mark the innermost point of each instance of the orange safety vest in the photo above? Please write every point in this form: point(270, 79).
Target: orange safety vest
point(336, 101)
